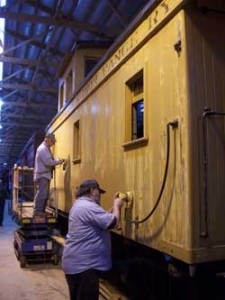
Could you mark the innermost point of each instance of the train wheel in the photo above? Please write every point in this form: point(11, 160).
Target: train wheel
point(15, 245)
point(22, 261)
point(55, 259)
point(192, 270)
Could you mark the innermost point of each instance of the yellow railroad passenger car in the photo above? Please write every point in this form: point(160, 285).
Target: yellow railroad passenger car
point(149, 121)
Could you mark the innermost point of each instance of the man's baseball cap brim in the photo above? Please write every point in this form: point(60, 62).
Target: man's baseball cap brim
point(92, 183)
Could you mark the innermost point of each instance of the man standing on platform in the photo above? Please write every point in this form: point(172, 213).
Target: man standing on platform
point(44, 166)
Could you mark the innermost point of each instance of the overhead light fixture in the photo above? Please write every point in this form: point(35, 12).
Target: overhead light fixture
point(2, 2)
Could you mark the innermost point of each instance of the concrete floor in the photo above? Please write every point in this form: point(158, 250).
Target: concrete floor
point(34, 282)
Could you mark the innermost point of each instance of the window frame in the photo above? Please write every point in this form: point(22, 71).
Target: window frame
point(76, 138)
point(130, 99)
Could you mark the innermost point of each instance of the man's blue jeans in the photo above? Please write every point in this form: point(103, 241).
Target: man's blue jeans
point(41, 197)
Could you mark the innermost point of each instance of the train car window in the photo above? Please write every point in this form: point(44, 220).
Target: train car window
point(136, 107)
point(69, 85)
point(135, 112)
point(76, 143)
point(138, 119)
point(61, 95)
point(90, 63)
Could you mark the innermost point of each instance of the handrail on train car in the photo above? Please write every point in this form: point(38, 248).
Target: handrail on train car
point(174, 125)
point(207, 113)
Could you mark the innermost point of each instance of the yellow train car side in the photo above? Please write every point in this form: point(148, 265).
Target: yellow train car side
point(138, 124)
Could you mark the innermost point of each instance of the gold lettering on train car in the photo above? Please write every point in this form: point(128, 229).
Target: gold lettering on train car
point(149, 23)
point(96, 79)
point(165, 6)
point(134, 40)
point(131, 43)
point(119, 54)
point(91, 85)
point(155, 17)
point(105, 69)
point(112, 63)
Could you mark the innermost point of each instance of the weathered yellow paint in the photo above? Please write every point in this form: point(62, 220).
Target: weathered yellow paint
point(178, 85)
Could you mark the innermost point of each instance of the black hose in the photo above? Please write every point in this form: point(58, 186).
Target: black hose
point(173, 124)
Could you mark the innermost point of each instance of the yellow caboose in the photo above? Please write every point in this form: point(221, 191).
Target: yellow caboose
point(148, 121)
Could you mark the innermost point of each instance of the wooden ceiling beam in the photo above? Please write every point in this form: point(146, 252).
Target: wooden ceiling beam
point(12, 143)
point(117, 13)
point(33, 42)
point(9, 156)
point(11, 138)
point(21, 124)
point(30, 104)
point(28, 87)
point(15, 73)
point(23, 116)
point(28, 62)
point(48, 20)
point(27, 41)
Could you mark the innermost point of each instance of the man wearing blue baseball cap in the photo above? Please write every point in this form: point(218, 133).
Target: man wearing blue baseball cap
point(87, 250)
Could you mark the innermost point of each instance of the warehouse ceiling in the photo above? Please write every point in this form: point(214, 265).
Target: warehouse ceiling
point(39, 37)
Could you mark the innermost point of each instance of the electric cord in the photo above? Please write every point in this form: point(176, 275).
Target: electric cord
point(173, 124)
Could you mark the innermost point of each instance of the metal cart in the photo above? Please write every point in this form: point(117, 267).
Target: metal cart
point(33, 240)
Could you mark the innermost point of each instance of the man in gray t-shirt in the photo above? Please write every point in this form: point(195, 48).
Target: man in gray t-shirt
point(88, 246)
point(44, 163)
